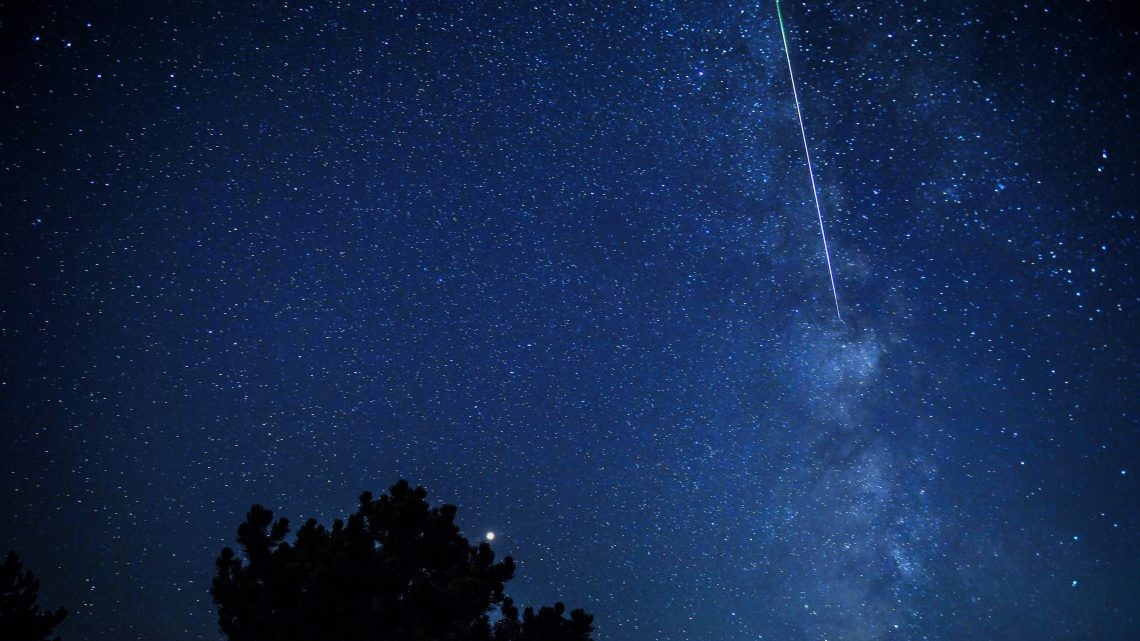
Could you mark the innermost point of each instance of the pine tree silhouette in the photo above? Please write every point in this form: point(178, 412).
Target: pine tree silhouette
point(20, 617)
point(396, 570)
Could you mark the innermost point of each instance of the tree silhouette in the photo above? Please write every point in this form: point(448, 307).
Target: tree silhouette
point(20, 617)
point(547, 625)
point(397, 570)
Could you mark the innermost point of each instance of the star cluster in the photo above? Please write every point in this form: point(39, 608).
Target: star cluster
point(559, 263)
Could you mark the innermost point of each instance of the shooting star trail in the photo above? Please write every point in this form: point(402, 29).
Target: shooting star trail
point(807, 155)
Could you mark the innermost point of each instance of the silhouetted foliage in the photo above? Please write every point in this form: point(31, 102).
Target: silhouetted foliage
point(20, 617)
point(547, 625)
point(397, 570)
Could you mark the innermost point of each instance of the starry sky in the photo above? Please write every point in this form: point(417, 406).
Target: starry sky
point(559, 263)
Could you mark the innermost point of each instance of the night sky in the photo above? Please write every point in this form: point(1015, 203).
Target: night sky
point(559, 263)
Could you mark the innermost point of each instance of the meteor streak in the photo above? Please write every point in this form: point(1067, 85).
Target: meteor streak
point(807, 155)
